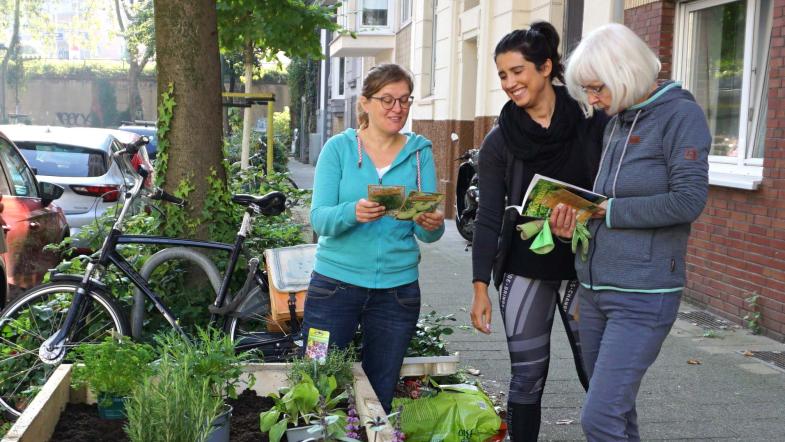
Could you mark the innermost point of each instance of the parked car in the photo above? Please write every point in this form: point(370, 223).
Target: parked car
point(142, 157)
point(80, 160)
point(30, 221)
point(147, 129)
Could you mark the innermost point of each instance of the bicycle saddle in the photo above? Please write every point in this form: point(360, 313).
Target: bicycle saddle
point(269, 205)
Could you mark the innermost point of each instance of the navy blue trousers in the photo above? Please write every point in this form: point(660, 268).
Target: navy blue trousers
point(388, 318)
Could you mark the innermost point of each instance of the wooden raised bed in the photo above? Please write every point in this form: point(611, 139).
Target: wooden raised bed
point(38, 421)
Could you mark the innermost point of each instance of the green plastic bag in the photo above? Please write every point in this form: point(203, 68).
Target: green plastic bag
point(457, 413)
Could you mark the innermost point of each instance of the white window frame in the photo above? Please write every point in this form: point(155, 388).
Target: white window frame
point(405, 6)
point(740, 172)
point(367, 29)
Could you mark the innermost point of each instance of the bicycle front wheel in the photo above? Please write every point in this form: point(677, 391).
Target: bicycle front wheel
point(31, 319)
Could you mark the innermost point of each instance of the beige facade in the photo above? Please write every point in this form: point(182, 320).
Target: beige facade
point(448, 46)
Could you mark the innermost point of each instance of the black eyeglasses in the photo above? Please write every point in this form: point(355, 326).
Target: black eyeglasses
point(388, 102)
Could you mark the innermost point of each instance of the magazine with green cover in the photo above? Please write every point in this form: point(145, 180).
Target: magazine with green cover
point(546, 193)
point(404, 208)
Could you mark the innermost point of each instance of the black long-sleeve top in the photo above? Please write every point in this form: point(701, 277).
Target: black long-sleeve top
point(495, 182)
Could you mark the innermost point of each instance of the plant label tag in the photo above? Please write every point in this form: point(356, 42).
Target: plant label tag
point(317, 345)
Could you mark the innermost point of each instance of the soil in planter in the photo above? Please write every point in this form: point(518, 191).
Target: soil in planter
point(245, 417)
point(80, 422)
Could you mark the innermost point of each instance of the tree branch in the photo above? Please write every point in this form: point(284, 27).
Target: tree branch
point(119, 16)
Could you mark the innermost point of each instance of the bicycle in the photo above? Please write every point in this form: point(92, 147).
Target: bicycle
point(257, 169)
point(39, 328)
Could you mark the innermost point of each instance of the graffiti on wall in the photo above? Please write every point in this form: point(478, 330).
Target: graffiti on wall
point(75, 119)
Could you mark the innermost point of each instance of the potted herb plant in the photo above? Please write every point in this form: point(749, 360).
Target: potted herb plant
point(173, 406)
point(312, 399)
point(313, 403)
point(111, 369)
point(213, 367)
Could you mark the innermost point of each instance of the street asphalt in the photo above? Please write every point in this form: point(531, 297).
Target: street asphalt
point(704, 385)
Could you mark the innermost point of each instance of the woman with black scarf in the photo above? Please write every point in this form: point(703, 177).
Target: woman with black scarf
point(541, 130)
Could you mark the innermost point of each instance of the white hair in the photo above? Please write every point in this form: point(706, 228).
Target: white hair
point(619, 59)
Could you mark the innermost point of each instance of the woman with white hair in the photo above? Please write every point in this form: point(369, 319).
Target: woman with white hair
point(654, 171)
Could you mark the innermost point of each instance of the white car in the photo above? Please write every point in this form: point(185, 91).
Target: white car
point(80, 160)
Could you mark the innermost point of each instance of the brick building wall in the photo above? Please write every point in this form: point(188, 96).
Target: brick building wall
point(445, 151)
point(653, 21)
point(737, 246)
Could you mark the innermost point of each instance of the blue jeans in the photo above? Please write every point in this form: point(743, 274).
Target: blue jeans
point(388, 318)
point(621, 336)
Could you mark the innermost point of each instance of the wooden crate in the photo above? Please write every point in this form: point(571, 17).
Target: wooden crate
point(39, 420)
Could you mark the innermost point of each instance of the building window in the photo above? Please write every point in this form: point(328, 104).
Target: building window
point(722, 58)
point(406, 11)
point(341, 77)
point(374, 14)
point(338, 77)
point(341, 12)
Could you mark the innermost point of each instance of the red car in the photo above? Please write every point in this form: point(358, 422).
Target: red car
point(29, 220)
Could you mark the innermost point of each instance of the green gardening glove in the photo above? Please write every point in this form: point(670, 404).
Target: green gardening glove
point(580, 240)
point(530, 229)
point(543, 243)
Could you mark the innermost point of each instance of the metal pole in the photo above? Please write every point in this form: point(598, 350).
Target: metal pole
point(270, 145)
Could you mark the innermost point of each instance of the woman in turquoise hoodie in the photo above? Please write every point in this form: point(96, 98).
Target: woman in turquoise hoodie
point(366, 262)
point(654, 170)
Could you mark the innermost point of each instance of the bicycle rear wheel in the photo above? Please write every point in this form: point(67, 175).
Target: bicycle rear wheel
point(251, 328)
point(31, 319)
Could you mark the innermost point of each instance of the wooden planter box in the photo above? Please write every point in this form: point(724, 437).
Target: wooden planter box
point(38, 421)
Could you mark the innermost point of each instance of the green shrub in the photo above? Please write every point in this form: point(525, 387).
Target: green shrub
point(106, 69)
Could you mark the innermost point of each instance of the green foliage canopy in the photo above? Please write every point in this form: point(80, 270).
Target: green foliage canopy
point(274, 26)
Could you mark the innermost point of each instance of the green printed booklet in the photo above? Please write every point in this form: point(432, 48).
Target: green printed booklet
point(541, 197)
point(400, 207)
point(546, 193)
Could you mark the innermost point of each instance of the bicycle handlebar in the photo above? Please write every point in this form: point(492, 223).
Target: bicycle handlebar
point(162, 195)
point(132, 148)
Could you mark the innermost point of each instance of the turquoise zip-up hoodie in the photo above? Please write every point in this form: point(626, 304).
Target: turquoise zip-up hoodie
point(380, 254)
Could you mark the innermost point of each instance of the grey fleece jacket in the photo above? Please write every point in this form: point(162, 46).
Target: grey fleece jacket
point(654, 169)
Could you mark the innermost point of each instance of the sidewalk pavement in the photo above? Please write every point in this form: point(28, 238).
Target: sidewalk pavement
point(301, 173)
point(721, 395)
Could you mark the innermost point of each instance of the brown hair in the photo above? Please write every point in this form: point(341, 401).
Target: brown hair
point(377, 78)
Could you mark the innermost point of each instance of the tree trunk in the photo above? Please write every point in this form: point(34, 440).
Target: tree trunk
point(133, 88)
point(9, 52)
point(187, 53)
point(246, 145)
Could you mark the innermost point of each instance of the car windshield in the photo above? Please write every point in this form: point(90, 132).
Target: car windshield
point(61, 160)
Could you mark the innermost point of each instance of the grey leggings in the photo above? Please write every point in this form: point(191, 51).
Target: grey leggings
point(527, 309)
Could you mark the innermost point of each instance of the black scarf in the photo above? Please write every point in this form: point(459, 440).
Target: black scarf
point(544, 151)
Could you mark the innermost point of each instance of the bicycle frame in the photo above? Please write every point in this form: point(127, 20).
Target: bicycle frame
point(109, 255)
